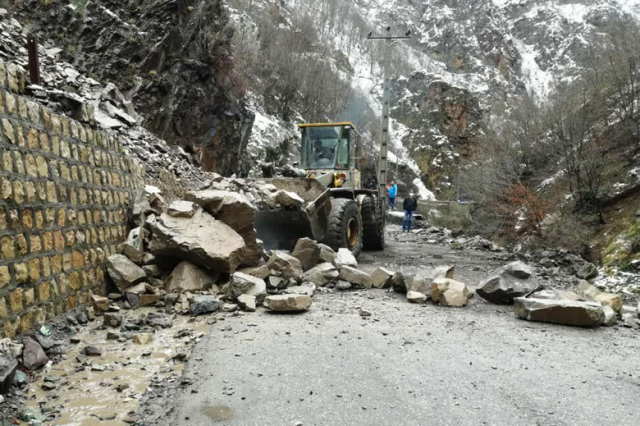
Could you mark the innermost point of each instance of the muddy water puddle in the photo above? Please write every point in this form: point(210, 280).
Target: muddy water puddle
point(108, 392)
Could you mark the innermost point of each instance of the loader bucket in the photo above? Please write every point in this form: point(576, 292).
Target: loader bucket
point(281, 228)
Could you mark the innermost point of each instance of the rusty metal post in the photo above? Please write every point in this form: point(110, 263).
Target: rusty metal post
point(34, 61)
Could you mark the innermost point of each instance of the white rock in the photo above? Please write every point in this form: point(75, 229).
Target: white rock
point(287, 303)
point(355, 276)
point(344, 257)
point(247, 302)
point(416, 297)
point(381, 278)
point(610, 317)
point(181, 208)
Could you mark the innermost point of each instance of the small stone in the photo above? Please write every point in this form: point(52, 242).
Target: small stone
point(205, 305)
point(364, 313)
point(112, 336)
point(287, 303)
point(416, 297)
point(343, 285)
point(247, 302)
point(122, 387)
point(143, 338)
point(92, 351)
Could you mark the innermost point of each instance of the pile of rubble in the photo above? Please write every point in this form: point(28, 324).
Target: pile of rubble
point(66, 90)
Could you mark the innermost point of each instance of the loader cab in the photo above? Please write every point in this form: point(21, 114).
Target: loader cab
point(328, 146)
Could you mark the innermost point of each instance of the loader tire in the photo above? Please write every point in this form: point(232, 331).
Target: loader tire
point(345, 226)
point(373, 224)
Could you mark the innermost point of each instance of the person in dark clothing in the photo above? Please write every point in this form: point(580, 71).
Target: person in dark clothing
point(410, 205)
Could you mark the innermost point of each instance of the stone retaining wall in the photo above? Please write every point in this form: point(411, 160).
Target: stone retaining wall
point(65, 191)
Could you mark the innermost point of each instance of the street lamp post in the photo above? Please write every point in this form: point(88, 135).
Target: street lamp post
point(386, 99)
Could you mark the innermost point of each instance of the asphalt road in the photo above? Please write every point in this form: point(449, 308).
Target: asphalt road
point(409, 364)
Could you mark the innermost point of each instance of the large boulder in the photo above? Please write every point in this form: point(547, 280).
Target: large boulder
point(189, 277)
point(355, 276)
point(240, 284)
point(507, 283)
point(421, 282)
point(201, 239)
point(307, 252)
point(236, 211)
point(124, 272)
point(288, 303)
point(381, 278)
point(326, 253)
point(8, 368)
point(448, 292)
point(565, 312)
point(321, 274)
point(289, 266)
point(344, 257)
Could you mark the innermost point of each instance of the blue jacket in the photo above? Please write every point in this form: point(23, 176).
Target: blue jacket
point(393, 191)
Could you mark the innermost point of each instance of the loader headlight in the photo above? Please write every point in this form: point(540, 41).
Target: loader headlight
point(339, 179)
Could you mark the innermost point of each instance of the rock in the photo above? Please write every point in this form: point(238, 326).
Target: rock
point(305, 288)
point(565, 312)
point(229, 307)
point(630, 321)
point(205, 305)
point(610, 317)
point(149, 299)
point(416, 297)
point(133, 299)
point(287, 303)
point(355, 276)
point(33, 356)
point(124, 272)
point(288, 199)
point(236, 211)
point(588, 271)
point(261, 272)
point(422, 281)
point(344, 257)
point(8, 368)
point(307, 252)
point(276, 283)
point(246, 284)
point(247, 302)
point(518, 269)
point(152, 270)
point(20, 379)
point(155, 319)
point(381, 278)
point(398, 283)
point(201, 239)
point(321, 274)
point(92, 351)
point(289, 266)
point(112, 336)
point(638, 309)
point(143, 338)
point(614, 301)
point(343, 285)
point(364, 313)
point(132, 247)
point(112, 320)
point(626, 309)
point(448, 292)
point(181, 208)
point(507, 283)
point(138, 288)
point(189, 277)
point(101, 304)
point(587, 291)
point(122, 387)
point(326, 253)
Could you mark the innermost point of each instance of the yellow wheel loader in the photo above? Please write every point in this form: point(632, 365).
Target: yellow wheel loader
point(337, 210)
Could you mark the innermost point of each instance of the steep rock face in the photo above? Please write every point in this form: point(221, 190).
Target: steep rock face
point(174, 63)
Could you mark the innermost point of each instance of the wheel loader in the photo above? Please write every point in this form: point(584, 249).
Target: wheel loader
point(337, 210)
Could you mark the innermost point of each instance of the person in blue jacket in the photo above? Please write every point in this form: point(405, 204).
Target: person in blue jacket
point(392, 192)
